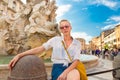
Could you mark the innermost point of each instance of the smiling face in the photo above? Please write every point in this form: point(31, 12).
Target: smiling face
point(65, 27)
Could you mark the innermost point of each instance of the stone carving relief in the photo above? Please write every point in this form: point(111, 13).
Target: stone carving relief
point(18, 31)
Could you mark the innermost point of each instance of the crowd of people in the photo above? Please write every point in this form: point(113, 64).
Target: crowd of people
point(105, 52)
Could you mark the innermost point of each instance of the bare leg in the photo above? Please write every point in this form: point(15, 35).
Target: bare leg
point(73, 75)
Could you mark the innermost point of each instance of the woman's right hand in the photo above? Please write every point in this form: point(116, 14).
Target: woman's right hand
point(13, 61)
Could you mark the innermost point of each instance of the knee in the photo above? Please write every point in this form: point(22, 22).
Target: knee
point(73, 75)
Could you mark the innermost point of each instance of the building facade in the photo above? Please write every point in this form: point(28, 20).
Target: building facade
point(117, 31)
point(82, 41)
point(108, 39)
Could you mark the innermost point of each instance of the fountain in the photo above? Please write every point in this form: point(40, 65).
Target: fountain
point(89, 61)
point(35, 23)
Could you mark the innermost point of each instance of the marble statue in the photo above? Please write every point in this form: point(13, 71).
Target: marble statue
point(36, 19)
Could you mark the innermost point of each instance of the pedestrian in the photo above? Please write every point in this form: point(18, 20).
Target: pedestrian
point(115, 52)
point(97, 52)
point(118, 51)
point(63, 68)
point(93, 52)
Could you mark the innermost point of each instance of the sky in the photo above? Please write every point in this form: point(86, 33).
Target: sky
point(89, 17)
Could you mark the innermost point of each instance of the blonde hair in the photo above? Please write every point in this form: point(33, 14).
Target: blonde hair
point(64, 20)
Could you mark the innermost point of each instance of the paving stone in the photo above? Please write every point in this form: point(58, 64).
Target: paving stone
point(104, 64)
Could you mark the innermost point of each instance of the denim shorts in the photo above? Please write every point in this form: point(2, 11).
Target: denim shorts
point(57, 69)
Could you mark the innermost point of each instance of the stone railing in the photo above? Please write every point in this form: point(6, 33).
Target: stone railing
point(4, 70)
point(90, 63)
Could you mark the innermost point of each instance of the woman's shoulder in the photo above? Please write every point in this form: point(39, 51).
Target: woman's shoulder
point(56, 38)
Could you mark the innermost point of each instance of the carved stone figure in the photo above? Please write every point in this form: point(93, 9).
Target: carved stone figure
point(36, 19)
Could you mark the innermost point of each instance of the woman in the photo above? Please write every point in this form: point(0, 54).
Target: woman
point(63, 68)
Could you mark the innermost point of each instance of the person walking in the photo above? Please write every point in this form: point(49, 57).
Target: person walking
point(97, 52)
point(63, 68)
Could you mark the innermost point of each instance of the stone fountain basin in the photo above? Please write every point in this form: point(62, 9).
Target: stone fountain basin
point(89, 61)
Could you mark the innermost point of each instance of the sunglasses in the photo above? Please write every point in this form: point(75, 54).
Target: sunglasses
point(63, 27)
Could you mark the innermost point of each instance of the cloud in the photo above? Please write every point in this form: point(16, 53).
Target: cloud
point(84, 8)
point(109, 26)
point(108, 3)
point(82, 35)
point(115, 18)
point(62, 10)
point(77, 0)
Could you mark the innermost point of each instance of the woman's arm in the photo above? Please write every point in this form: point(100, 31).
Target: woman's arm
point(72, 66)
point(31, 51)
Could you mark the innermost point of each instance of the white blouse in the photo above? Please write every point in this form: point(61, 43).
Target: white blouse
point(59, 54)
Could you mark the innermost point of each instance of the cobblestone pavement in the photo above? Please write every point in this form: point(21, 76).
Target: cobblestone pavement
point(104, 64)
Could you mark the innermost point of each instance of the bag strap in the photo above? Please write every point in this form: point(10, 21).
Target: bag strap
point(64, 46)
point(66, 50)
